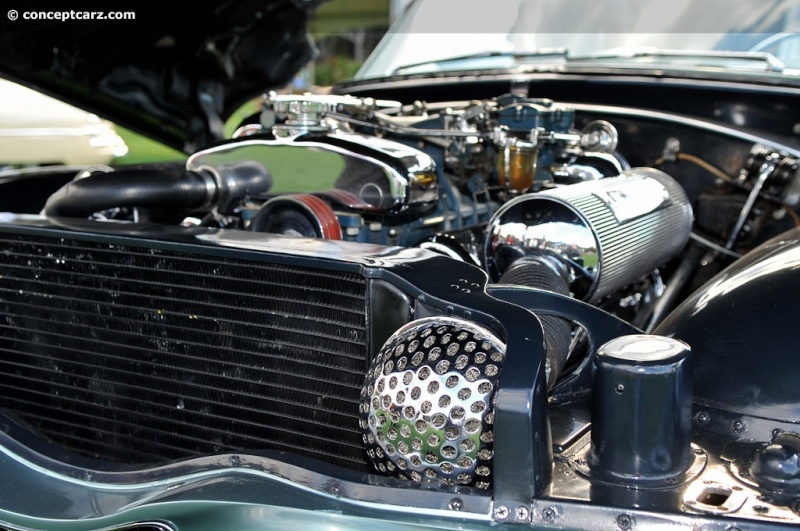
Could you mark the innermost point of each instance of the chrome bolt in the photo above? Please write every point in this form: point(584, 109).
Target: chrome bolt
point(703, 418)
point(522, 513)
point(738, 426)
point(501, 512)
point(456, 504)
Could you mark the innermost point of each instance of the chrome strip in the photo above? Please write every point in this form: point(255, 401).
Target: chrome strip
point(683, 120)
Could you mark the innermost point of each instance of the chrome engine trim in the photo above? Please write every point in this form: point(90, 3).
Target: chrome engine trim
point(389, 176)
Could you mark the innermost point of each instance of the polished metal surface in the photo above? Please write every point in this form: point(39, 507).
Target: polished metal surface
point(644, 349)
point(303, 113)
point(599, 136)
point(427, 403)
point(530, 227)
point(388, 177)
point(608, 233)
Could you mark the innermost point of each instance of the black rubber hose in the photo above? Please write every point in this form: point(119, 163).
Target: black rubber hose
point(536, 273)
point(128, 188)
point(160, 188)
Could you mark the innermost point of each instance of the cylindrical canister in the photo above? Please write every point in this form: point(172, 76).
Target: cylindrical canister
point(641, 410)
point(609, 233)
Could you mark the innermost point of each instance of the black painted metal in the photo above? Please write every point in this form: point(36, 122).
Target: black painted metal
point(523, 454)
point(775, 465)
point(536, 273)
point(742, 326)
point(600, 326)
point(641, 410)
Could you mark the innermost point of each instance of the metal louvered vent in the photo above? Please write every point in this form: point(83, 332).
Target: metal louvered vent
point(140, 355)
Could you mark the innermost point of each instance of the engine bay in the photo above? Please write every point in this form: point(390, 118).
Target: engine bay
point(490, 183)
point(601, 221)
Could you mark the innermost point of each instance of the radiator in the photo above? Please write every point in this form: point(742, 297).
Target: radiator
point(138, 353)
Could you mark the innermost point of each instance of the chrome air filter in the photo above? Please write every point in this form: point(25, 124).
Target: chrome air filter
point(606, 234)
point(426, 408)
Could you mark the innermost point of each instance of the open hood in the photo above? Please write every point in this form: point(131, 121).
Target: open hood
point(174, 73)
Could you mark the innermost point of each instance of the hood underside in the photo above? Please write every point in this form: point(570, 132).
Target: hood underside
point(173, 73)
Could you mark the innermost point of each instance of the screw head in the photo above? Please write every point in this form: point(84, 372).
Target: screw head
point(522, 513)
point(456, 504)
point(702, 418)
point(738, 426)
point(624, 522)
point(501, 512)
point(549, 514)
